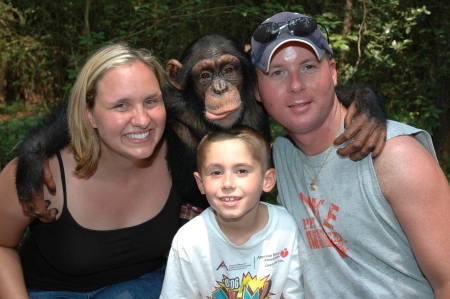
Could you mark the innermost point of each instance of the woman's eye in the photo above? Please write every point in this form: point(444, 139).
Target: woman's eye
point(120, 106)
point(150, 102)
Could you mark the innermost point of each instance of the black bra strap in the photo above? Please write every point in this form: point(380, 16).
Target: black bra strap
point(63, 176)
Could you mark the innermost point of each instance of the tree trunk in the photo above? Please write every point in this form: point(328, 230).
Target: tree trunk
point(87, 27)
point(348, 22)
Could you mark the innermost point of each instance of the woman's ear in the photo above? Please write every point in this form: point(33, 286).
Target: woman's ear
point(91, 118)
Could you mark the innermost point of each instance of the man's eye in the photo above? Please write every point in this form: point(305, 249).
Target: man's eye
point(215, 172)
point(276, 73)
point(309, 67)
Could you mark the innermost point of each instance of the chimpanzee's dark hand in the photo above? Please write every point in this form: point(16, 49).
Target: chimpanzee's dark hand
point(365, 123)
point(38, 207)
point(366, 135)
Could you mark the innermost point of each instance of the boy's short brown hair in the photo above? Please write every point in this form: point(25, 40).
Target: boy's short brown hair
point(255, 142)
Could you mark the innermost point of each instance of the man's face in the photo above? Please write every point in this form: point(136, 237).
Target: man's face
point(298, 91)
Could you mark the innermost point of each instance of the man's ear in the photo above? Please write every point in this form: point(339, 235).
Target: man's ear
point(199, 181)
point(256, 92)
point(270, 179)
point(333, 71)
point(173, 68)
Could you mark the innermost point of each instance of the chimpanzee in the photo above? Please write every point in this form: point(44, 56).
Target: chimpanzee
point(212, 88)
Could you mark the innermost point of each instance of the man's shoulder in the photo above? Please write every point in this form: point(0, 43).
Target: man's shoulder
point(402, 163)
point(400, 138)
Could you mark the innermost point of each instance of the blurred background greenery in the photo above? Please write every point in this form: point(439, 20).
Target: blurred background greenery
point(400, 48)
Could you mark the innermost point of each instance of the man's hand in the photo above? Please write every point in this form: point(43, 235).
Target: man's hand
point(38, 207)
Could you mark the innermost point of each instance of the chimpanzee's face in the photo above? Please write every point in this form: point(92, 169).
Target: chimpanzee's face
point(217, 81)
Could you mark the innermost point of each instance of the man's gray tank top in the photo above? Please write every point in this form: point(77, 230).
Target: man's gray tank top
point(352, 244)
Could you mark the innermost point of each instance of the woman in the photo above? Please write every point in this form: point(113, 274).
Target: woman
point(116, 194)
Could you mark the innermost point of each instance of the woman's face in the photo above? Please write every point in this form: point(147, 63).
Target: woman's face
point(129, 112)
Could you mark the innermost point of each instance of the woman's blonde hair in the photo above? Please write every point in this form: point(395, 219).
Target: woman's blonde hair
point(84, 139)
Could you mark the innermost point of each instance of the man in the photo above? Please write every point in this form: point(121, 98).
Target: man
point(376, 228)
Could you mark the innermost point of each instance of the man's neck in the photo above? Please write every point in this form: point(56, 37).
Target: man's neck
point(321, 138)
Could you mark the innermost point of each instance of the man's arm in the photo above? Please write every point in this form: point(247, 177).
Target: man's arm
point(419, 194)
point(12, 225)
point(365, 122)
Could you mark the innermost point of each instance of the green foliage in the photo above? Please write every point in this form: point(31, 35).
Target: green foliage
point(388, 60)
point(14, 129)
point(24, 61)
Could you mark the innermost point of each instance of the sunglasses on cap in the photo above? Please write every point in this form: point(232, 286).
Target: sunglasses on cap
point(302, 26)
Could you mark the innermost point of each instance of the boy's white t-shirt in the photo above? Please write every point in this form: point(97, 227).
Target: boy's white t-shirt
point(203, 263)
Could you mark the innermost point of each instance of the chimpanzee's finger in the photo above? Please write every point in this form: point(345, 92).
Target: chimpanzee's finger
point(368, 146)
point(49, 216)
point(350, 131)
point(359, 141)
point(28, 208)
point(41, 210)
point(351, 112)
point(381, 142)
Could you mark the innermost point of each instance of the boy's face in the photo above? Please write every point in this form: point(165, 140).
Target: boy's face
point(233, 180)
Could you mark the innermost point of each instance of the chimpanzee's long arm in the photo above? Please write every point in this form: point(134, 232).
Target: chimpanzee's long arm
point(365, 122)
point(41, 143)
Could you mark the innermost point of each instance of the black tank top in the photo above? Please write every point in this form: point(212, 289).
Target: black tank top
point(66, 256)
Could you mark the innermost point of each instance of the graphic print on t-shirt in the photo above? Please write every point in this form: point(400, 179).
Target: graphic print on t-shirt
point(247, 287)
point(320, 233)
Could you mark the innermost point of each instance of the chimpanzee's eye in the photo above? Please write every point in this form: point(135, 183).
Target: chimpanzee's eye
point(205, 75)
point(228, 70)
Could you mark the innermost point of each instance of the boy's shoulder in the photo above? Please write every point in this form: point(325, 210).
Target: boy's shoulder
point(195, 228)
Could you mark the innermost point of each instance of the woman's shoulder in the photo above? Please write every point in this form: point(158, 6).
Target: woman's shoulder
point(12, 218)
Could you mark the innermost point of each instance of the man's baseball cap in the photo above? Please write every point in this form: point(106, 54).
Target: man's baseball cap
point(282, 28)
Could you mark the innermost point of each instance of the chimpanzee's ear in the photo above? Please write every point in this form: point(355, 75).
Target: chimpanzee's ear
point(173, 67)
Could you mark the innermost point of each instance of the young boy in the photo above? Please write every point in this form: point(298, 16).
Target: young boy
point(239, 247)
